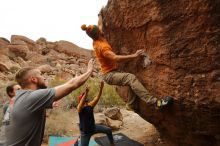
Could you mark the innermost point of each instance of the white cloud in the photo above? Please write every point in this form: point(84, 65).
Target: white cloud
point(53, 19)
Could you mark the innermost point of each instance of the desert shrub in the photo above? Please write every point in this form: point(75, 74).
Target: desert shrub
point(109, 96)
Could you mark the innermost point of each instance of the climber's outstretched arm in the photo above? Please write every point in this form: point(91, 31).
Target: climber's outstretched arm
point(112, 56)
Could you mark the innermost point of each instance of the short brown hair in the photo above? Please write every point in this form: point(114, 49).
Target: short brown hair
point(20, 77)
point(10, 89)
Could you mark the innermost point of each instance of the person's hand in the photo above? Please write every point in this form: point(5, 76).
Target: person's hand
point(87, 89)
point(101, 84)
point(91, 65)
point(139, 53)
point(56, 104)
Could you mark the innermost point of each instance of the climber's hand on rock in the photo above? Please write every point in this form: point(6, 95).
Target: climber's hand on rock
point(139, 53)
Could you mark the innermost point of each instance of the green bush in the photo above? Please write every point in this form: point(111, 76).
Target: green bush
point(109, 95)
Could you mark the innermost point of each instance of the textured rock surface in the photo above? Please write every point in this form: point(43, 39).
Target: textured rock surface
point(102, 119)
point(182, 38)
point(114, 124)
point(3, 45)
point(23, 52)
point(114, 113)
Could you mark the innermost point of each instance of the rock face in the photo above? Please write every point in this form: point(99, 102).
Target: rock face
point(3, 46)
point(182, 39)
point(112, 117)
point(113, 113)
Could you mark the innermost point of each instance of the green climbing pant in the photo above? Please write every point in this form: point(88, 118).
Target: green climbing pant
point(128, 79)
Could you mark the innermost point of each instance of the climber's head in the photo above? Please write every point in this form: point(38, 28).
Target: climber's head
point(92, 31)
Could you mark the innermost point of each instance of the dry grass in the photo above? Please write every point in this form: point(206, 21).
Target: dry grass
point(109, 95)
point(61, 123)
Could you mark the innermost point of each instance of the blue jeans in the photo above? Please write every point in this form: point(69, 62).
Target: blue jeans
point(84, 138)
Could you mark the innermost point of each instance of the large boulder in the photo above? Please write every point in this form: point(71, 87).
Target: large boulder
point(45, 69)
point(21, 40)
point(72, 50)
point(7, 65)
point(182, 39)
point(3, 46)
point(42, 43)
point(18, 51)
point(114, 124)
point(3, 67)
point(113, 113)
point(21, 62)
point(4, 41)
point(102, 119)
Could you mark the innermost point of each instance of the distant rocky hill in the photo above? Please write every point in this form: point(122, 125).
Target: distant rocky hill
point(60, 58)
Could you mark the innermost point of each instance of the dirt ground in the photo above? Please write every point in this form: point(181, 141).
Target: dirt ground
point(133, 126)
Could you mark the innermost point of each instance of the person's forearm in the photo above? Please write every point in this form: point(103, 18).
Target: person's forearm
point(100, 93)
point(72, 84)
point(79, 80)
point(81, 103)
point(96, 99)
point(119, 58)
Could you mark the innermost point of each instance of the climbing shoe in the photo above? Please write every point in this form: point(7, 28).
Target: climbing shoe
point(164, 102)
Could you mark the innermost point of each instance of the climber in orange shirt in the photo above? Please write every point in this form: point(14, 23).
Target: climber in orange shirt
point(108, 61)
